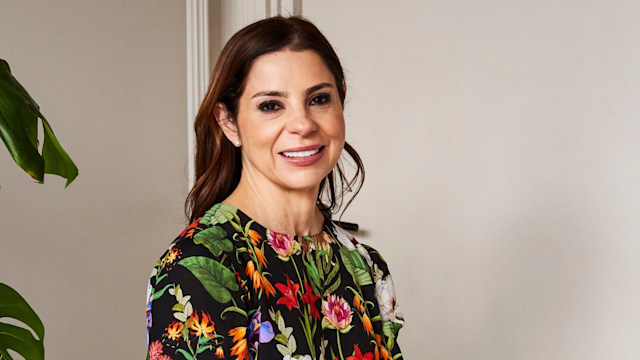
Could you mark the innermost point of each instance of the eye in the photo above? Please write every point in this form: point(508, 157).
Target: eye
point(320, 99)
point(269, 106)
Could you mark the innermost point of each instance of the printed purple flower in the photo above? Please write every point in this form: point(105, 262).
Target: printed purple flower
point(282, 244)
point(259, 332)
point(149, 319)
point(337, 313)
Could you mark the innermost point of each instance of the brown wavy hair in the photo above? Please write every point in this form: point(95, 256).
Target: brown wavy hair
point(218, 163)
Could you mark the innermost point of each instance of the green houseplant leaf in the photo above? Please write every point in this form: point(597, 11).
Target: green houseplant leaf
point(19, 115)
point(12, 305)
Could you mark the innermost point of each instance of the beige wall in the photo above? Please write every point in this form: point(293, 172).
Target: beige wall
point(501, 145)
point(111, 78)
point(500, 140)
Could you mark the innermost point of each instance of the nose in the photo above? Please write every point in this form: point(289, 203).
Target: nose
point(301, 123)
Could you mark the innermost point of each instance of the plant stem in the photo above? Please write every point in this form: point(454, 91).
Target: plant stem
point(339, 346)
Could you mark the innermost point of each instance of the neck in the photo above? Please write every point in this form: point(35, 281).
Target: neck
point(282, 210)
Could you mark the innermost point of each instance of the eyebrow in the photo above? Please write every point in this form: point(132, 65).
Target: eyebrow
point(285, 94)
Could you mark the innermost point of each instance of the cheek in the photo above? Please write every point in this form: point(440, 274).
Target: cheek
point(338, 128)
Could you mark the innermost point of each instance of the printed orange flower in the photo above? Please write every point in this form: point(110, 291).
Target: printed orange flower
point(250, 269)
point(238, 333)
point(174, 330)
point(261, 258)
point(381, 352)
point(359, 356)
point(268, 288)
point(384, 354)
point(357, 303)
point(366, 322)
point(172, 255)
point(259, 281)
point(201, 328)
point(219, 352)
point(255, 237)
point(290, 292)
point(240, 349)
point(189, 230)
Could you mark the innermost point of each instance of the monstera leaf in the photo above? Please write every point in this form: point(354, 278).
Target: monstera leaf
point(16, 338)
point(19, 116)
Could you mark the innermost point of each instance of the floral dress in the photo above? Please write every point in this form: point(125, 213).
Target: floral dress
point(228, 288)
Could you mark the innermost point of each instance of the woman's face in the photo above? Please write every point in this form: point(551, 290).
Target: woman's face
point(290, 121)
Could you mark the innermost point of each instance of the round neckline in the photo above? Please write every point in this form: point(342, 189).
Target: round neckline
point(266, 230)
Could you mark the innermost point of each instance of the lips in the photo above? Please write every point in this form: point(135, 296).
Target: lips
point(301, 152)
point(302, 156)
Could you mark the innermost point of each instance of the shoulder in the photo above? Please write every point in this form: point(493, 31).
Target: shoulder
point(203, 241)
point(208, 235)
point(371, 255)
point(384, 287)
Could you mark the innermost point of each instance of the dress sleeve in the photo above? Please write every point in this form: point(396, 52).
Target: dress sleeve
point(390, 314)
point(196, 304)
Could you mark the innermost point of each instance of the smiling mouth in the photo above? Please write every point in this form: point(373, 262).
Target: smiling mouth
point(301, 154)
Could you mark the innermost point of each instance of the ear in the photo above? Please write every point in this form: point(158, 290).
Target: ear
point(226, 123)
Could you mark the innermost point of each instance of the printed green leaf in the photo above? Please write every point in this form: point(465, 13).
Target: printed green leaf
point(214, 239)
point(333, 287)
point(236, 227)
point(282, 339)
point(283, 350)
point(247, 226)
point(234, 309)
point(346, 330)
point(216, 278)
point(390, 328)
point(355, 265)
point(219, 214)
point(326, 324)
point(178, 307)
point(292, 344)
point(186, 355)
point(312, 270)
point(203, 340)
point(332, 273)
point(158, 294)
point(160, 278)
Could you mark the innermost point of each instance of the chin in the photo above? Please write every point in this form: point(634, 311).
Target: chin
point(303, 181)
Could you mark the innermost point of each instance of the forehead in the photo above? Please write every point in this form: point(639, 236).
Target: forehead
point(287, 69)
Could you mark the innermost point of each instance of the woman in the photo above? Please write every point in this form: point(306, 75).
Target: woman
point(262, 273)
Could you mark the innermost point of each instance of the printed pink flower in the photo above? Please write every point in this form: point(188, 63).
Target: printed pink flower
point(337, 313)
point(155, 351)
point(282, 244)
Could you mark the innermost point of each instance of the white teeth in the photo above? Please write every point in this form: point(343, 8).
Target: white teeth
point(298, 154)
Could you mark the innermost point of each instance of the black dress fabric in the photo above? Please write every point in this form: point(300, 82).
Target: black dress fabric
point(228, 288)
